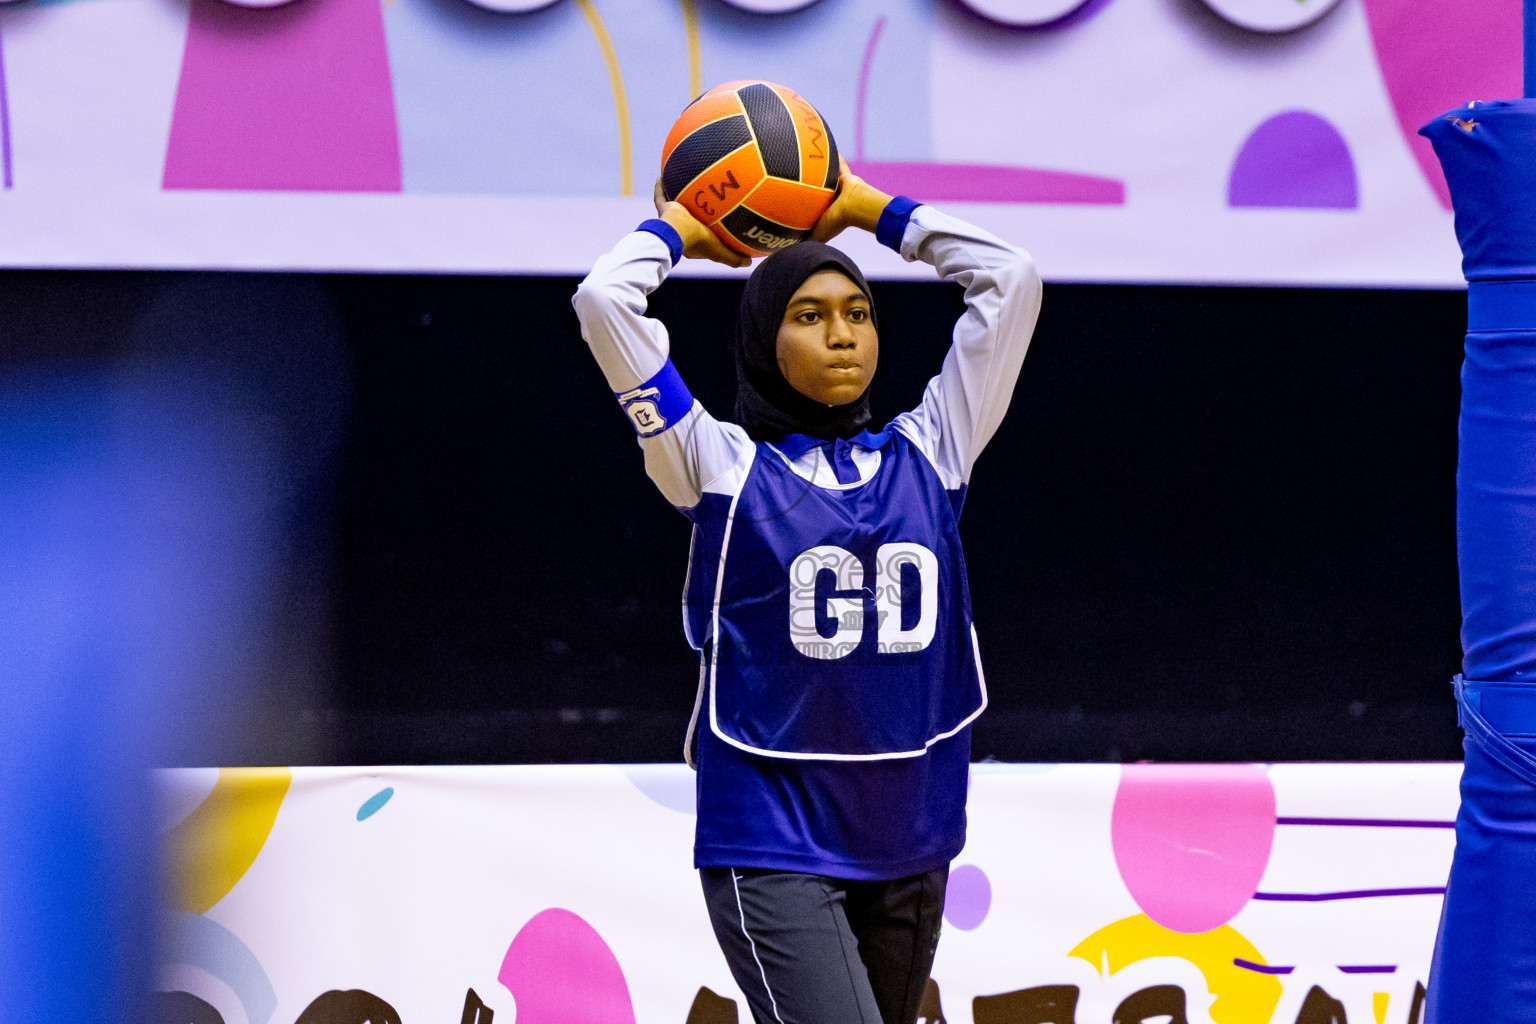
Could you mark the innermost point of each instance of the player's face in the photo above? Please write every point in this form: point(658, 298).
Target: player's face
point(827, 348)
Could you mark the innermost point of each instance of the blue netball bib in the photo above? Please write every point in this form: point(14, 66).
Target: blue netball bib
point(840, 615)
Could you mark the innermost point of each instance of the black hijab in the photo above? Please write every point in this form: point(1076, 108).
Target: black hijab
point(767, 407)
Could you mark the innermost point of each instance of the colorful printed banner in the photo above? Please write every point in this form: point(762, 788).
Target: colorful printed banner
point(1266, 141)
point(1187, 894)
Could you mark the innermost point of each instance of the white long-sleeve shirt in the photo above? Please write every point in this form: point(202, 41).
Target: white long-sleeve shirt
point(961, 407)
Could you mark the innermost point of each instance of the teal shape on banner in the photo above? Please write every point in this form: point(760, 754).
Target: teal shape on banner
point(372, 805)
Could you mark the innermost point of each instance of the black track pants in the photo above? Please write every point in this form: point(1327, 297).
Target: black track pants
point(808, 949)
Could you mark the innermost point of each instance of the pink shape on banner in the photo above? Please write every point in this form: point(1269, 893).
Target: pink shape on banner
point(1435, 57)
point(290, 98)
point(5, 125)
point(986, 183)
point(1294, 159)
point(561, 971)
point(1192, 841)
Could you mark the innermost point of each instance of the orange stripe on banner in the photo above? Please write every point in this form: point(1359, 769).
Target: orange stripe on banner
point(691, 31)
point(620, 102)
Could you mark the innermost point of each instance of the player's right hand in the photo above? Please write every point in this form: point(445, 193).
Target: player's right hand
point(698, 241)
point(857, 204)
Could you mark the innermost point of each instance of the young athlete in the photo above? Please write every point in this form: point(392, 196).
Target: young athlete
point(826, 593)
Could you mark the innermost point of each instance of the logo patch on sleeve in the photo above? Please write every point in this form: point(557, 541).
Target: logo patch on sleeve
point(643, 407)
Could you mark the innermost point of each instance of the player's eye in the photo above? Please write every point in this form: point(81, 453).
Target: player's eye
point(858, 314)
point(809, 316)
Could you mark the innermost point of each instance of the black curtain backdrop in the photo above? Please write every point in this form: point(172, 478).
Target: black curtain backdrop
point(1217, 523)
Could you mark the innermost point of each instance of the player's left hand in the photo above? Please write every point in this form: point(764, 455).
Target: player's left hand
point(698, 241)
point(857, 204)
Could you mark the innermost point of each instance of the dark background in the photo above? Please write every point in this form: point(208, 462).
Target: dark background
point(1217, 523)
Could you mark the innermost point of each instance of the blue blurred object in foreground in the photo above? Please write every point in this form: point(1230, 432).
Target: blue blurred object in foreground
point(154, 498)
point(1484, 966)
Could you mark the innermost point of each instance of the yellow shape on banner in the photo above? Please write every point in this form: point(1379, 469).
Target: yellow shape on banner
point(616, 85)
point(1242, 996)
point(1379, 1004)
point(217, 843)
point(691, 31)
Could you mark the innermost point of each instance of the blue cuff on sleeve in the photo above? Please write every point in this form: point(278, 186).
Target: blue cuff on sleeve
point(893, 221)
point(667, 233)
point(1501, 306)
point(658, 403)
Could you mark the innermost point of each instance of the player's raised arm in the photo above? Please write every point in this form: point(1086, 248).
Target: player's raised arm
point(684, 446)
point(964, 404)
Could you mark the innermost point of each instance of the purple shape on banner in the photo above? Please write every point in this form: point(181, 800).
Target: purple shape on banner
point(1081, 13)
point(1249, 965)
point(1294, 159)
point(1076, 16)
point(561, 971)
point(290, 98)
point(1369, 969)
point(968, 897)
point(5, 123)
point(985, 183)
point(1352, 894)
point(1435, 56)
point(664, 783)
point(861, 99)
point(1368, 822)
